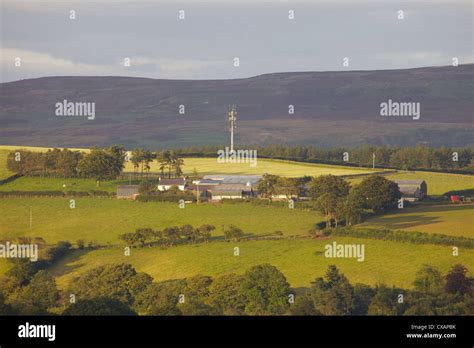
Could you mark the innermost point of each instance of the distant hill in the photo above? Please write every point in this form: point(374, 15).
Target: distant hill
point(331, 109)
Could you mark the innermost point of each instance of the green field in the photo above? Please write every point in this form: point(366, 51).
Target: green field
point(277, 167)
point(450, 219)
point(438, 183)
point(103, 219)
point(211, 166)
point(60, 184)
point(301, 261)
point(4, 172)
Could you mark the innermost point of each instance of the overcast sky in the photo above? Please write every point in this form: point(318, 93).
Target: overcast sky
point(203, 45)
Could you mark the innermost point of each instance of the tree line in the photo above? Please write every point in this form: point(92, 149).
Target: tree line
point(169, 163)
point(100, 164)
point(169, 236)
point(118, 289)
point(334, 197)
point(404, 158)
point(175, 235)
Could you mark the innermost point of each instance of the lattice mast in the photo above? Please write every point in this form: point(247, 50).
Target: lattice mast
point(232, 116)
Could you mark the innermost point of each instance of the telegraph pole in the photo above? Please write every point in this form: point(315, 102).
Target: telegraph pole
point(232, 114)
point(373, 160)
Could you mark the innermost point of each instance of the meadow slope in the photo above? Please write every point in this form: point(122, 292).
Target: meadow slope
point(301, 261)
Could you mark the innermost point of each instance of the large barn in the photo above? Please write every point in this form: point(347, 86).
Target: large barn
point(412, 190)
point(230, 186)
point(231, 191)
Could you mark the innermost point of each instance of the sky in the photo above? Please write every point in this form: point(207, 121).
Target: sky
point(214, 33)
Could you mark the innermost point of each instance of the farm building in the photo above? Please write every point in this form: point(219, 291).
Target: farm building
point(412, 190)
point(249, 180)
point(166, 184)
point(204, 190)
point(127, 191)
point(231, 191)
point(207, 182)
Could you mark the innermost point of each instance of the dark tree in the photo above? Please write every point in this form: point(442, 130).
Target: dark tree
point(379, 194)
point(36, 297)
point(119, 281)
point(225, 293)
point(98, 306)
point(266, 290)
point(428, 280)
point(458, 282)
point(328, 192)
point(233, 233)
point(333, 294)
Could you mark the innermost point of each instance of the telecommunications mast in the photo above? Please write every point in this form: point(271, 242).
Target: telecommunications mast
point(232, 114)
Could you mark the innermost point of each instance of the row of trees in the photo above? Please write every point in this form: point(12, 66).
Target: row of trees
point(118, 289)
point(100, 164)
point(417, 157)
point(274, 185)
point(168, 162)
point(53, 162)
point(432, 294)
point(169, 236)
point(174, 235)
point(337, 201)
point(334, 197)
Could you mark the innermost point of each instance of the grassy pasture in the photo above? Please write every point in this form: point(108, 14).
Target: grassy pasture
point(103, 219)
point(453, 220)
point(277, 167)
point(301, 261)
point(56, 184)
point(4, 172)
point(210, 166)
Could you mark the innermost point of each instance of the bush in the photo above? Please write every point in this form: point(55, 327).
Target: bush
point(98, 306)
point(145, 188)
point(58, 251)
point(233, 233)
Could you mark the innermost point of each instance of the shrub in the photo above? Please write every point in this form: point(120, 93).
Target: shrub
point(80, 243)
point(233, 233)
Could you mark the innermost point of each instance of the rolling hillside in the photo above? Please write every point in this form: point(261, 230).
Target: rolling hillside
point(331, 108)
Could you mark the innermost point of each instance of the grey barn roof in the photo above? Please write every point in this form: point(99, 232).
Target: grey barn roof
point(235, 179)
point(209, 182)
